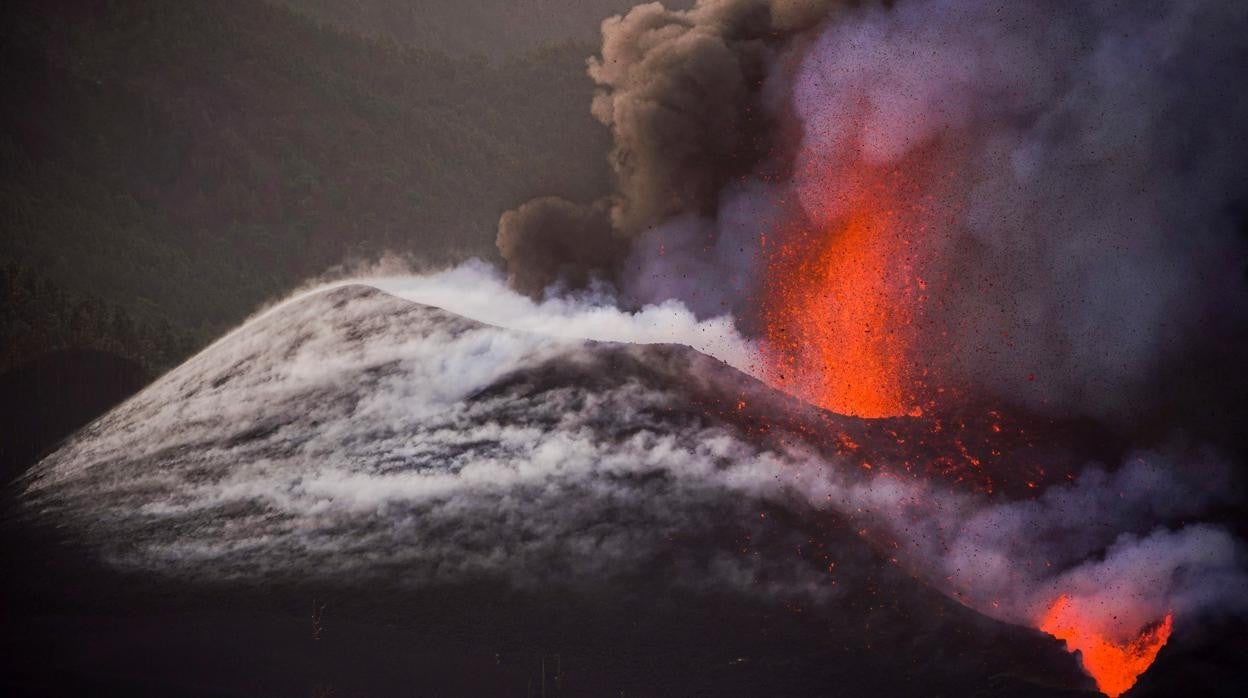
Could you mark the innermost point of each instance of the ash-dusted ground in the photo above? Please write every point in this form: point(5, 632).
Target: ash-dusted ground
point(351, 434)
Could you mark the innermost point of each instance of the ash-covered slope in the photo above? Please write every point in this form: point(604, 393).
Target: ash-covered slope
point(351, 433)
point(460, 491)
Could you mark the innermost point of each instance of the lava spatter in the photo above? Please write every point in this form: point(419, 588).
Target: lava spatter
point(845, 290)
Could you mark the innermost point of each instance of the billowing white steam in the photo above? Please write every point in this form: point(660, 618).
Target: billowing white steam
point(476, 291)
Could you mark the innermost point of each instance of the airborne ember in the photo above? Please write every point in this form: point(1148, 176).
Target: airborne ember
point(844, 301)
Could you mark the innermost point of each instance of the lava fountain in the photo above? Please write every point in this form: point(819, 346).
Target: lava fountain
point(1113, 664)
point(845, 290)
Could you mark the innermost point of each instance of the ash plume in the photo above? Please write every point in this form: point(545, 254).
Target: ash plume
point(553, 239)
point(1088, 235)
point(1081, 232)
point(684, 93)
point(1074, 183)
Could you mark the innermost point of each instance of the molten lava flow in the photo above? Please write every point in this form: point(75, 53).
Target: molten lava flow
point(1114, 666)
point(843, 296)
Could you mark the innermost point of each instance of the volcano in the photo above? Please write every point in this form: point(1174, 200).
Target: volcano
point(383, 496)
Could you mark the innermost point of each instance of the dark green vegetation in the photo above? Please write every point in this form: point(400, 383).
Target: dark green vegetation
point(38, 318)
point(167, 167)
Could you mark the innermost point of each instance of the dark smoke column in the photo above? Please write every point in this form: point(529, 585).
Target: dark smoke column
point(689, 96)
point(1074, 185)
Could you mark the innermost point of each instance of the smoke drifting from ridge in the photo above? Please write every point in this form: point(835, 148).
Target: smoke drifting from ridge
point(1080, 229)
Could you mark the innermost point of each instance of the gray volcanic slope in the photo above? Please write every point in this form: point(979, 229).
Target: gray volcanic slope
point(352, 435)
point(350, 439)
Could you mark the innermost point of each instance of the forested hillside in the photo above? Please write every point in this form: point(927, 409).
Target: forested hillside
point(183, 162)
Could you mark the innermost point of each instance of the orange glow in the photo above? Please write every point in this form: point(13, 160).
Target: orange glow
point(844, 296)
point(1113, 665)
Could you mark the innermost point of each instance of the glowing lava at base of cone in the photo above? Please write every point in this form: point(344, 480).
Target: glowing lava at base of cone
point(1112, 665)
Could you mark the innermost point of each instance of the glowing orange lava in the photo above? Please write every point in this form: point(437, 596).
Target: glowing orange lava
point(844, 296)
point(1113, 665)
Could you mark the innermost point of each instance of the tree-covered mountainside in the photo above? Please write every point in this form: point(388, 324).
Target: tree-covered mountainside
point(488, 27)
point(185, 161)
point(37, 317)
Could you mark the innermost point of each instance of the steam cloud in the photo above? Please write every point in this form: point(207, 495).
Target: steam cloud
point(1083, 222)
